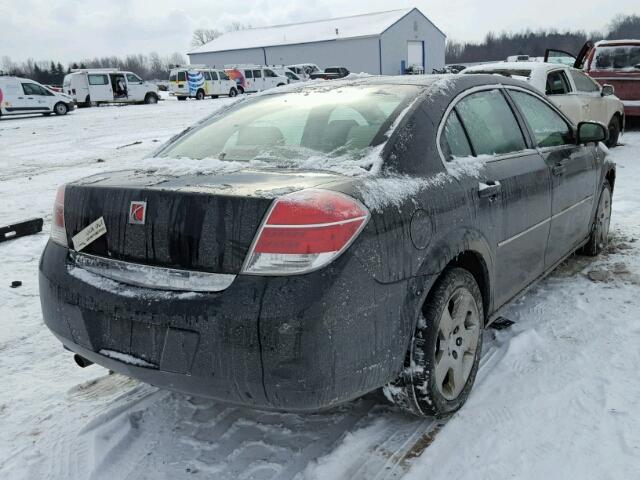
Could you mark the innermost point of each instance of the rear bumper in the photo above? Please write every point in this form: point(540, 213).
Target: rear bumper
point(298, 343)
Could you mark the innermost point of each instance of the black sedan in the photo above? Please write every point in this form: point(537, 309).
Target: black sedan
point(326, 241)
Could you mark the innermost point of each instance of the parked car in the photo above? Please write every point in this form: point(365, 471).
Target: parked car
point(303, 70)
point(292, 77)
point(255, 78)
point(609, 62)
point(330, 73)
point(20, 96)
point(199, 82)
point(575, 93)
point(298, 285)
point(105, 85)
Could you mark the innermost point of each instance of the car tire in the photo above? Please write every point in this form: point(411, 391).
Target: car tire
point(233, 92)
point(200, 95)
point(599, 238)
point(151, 99)
point(60, 108)
point(240, 90)
point(281, 85)
point(445, 350)
point(614, 132)
point(182, 98)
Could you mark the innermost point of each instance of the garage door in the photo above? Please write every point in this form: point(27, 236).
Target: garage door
point(415, 53)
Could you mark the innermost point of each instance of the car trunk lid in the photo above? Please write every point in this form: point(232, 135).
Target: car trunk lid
point(196, 223)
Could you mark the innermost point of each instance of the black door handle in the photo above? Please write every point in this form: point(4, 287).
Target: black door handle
point(489, 189)
point(558, 169)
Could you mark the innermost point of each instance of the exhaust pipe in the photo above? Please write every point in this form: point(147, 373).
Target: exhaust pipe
point(81, 361)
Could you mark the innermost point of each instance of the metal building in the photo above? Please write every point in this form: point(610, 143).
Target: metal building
point(378, 43)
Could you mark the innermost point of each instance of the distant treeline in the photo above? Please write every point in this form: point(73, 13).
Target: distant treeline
point(499, 47)
point(149, 67)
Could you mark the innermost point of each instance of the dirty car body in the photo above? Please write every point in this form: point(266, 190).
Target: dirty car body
point(187, 296)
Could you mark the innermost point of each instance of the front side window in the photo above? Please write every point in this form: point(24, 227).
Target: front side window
point(291, 76)
point(214, 76)
point(584, 83)
point(557, 83)
point(206, 75)
point(549, 128)
point(617, 57)
point(223, 76)
point(454, 142)
point(131, 78)
point(269, 73)
point(289, 129)
point(98, 80)
point(490, 123)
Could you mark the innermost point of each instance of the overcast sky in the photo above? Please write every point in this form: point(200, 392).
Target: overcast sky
point(75, 29)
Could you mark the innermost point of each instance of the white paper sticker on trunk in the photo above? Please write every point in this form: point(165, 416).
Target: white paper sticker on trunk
point(89, 234)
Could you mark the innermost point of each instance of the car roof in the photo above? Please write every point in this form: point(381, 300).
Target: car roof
point(445, 85)
point(609, 43)
point(533, 66)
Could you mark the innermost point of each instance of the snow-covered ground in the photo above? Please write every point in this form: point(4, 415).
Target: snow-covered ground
point(557, 395)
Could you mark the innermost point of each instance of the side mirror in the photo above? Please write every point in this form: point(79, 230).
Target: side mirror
point(592, 132)
point(607, 90)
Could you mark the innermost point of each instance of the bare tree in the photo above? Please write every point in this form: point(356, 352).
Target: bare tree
point(203, 35)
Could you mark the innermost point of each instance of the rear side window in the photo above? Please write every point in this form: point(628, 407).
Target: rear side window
point(584, 83)
point(557, 83)
point(214, 76)
point(454, 142)
point(549, 128)
point(98, 80)
point(490, 123)
point(182, 76)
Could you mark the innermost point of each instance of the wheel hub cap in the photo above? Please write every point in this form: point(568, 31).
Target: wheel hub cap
point(457, 343)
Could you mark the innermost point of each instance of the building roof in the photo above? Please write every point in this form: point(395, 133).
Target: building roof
point(366, 25)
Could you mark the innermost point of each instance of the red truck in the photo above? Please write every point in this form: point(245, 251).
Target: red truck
point(612, 62)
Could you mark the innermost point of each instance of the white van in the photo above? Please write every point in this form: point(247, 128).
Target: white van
point(199, 82)
point(20, 96)
point(105, 85)
point(255, 78)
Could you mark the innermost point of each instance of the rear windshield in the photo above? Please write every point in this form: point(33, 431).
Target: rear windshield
point(617, 57)
point(290, 128)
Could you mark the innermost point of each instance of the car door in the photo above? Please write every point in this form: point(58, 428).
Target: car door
point(34, 98)
point(561, 92)
point(258, 80)
point(590, 97)
point(248, 80)
point(135, 87)
point(511, 191)
point(574, 174)
point(100, 87)
point(215, 83)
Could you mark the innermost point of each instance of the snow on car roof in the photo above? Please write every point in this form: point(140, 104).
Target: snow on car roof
point(628, 41)
point(514, 66)
point(328, 29)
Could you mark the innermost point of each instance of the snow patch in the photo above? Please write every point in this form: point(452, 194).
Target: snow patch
point(379, 192)
point(126, 358)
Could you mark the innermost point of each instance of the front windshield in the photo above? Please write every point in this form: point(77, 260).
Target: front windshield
point(286, 129)
point(617, 57)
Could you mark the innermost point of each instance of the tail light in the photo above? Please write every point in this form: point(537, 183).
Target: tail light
point(58, 232)
point(304, 231)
